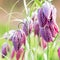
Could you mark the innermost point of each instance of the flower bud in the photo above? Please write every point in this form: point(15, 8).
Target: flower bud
point(36, 28)
point(5, 49)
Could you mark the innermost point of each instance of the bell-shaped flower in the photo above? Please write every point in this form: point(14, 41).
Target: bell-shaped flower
point(18, 39)
point(27, 27)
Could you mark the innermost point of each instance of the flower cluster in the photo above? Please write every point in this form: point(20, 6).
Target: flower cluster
point(47, 22)
point(43, 24)
point(18, 39)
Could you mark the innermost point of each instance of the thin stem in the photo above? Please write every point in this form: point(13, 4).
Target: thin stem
point(25, 5)
point(3, 10)
point(38, 40)
point(28, 32)
point(54, 47)
point(47, 51)
point(22, 23)
point(34, 40)
point(29, 40)
point(30, 2)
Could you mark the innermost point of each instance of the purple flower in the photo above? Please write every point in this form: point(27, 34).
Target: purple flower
point(36, 28)
point(41, 18)
point(47, 9)
point(19, 54)
point(5, 49)
point(43, 44)
point(12, 53)
point(53, 28)
point(27, 27)
point(46, 13)
point(18, 39)
point(47, 22)
point(35, 23)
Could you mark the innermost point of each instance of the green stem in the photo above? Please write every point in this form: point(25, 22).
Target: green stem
point(29, 40)
point(34, 40)
point(52, 46)
point(47, 51)
point(38, 40)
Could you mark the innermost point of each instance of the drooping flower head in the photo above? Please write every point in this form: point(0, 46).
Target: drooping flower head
point(27, 27)
point(47, 21)
point(5, 49)
point(18, 39)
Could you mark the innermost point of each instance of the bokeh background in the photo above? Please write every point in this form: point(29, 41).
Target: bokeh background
point(5, 7)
